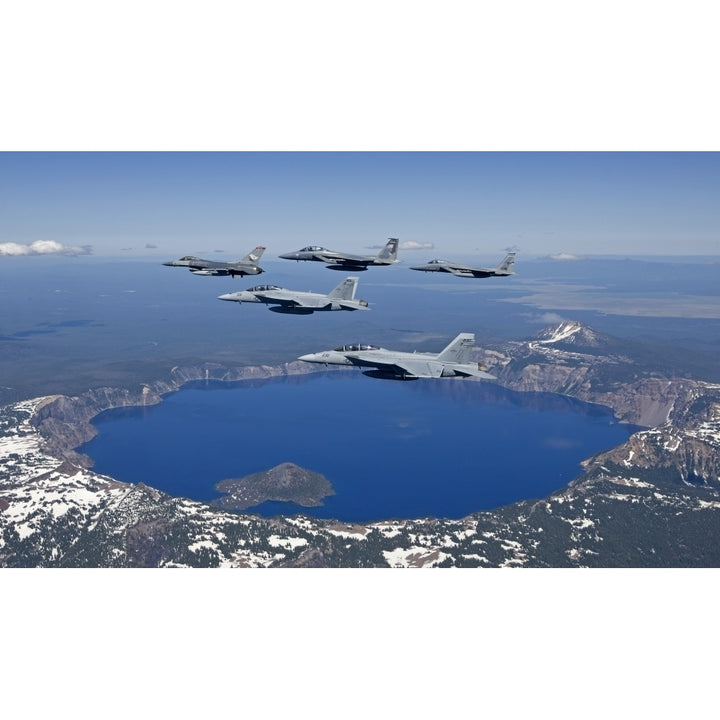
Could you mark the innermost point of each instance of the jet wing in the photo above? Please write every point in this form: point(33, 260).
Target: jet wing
point(430, 369)
point(460, 272)
point(404, 367)
point(290, 301)
point(329, 256)
point(349, 261)
point(419, 368)
point(214, 271)
point(276, 298)
point(436, 266)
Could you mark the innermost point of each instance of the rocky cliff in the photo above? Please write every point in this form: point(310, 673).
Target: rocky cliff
point(689, 446)
point(572, 359)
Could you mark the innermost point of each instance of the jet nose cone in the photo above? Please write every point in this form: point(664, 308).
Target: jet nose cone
point(310, 357)
point(288, 256)
point(169, 263)
point(228, 296)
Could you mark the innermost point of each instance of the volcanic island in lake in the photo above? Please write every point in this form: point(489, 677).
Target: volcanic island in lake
point(286, 482)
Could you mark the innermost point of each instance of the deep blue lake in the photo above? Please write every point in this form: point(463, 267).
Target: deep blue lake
point(442, 448)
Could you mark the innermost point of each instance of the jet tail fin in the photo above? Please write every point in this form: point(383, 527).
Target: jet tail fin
point(254, 255)
point(345, 290)
point(507, 265)
point(458, 351)
point(389, 252)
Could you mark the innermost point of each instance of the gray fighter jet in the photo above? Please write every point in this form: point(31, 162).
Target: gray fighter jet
point(342, 261)
point(453, 361)
point(296, 302)
point(503, 269)
point(197, 266)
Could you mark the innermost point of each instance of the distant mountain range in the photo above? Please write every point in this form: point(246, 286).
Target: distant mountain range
point(653, 501)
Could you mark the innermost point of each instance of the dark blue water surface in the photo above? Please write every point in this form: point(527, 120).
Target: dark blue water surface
point(442, 448)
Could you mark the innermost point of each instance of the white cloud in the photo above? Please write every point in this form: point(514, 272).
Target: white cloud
point(43, 247)
point(551, 318)
point(565, 256)
point(548, 318)
point(412, 245)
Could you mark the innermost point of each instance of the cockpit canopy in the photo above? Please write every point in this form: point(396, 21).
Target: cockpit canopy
point(436, 261)
point(313, 248)
point(263, 288)
point(188, 258)
point(355, 348)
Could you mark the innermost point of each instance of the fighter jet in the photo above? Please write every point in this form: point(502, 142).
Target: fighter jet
point(503, 269)
point(296, 302)
point(342, 261)
point(247, 266)
point(453, 361)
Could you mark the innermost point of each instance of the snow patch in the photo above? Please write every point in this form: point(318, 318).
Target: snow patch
point(619, 496)
point(352, 534)
point(706, 504)
point(630, 482)
point(413, 557)
point(562, 332)
point(202, 544)
point(579, 523)
point(289, 543)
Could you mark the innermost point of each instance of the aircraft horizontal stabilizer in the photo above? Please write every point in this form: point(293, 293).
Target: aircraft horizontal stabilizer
point(362, 305)
point(471, 372)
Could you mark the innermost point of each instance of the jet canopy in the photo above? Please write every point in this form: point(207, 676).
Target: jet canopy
point(188, 258)
point(263, 288)
point(313, 248)
point(438, 262)
point(355, 348)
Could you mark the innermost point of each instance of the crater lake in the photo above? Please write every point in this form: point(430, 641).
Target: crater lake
point(440, 448)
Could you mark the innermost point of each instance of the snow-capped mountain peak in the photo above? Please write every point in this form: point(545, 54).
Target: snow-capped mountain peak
point(569, 332)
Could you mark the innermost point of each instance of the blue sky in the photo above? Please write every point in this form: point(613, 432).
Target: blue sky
point(461, 203)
